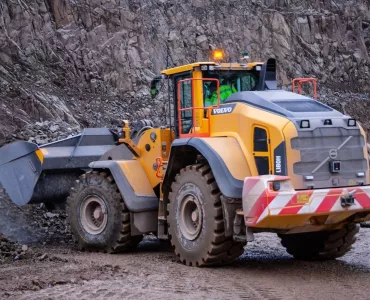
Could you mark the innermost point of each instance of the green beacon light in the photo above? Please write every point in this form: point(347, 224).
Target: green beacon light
point(244, 59)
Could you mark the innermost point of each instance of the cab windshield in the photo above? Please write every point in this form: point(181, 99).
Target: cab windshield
point(230, 82)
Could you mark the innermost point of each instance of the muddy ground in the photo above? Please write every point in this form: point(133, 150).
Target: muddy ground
point(265, 271)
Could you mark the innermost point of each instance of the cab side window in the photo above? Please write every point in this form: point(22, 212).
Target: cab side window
point(260, 140)
point(185, 98)
point(247, 83)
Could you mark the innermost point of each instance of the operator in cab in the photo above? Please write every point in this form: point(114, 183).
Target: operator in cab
point(226, 89)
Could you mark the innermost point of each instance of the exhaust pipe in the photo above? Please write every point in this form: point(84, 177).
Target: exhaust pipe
point(267, 79)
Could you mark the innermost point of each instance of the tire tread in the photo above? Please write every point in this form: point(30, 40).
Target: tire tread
point(327, 245)
point(104, 181)
point(222, 249)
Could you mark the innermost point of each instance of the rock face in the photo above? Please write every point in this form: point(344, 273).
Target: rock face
point(89, 63)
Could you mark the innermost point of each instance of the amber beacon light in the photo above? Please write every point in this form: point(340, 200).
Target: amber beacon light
point(218, 54)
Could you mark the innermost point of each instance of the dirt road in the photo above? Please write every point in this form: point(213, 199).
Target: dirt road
point(265, 271)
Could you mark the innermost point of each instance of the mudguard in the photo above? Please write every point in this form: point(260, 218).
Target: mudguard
point(229, 186)
point(132, 182)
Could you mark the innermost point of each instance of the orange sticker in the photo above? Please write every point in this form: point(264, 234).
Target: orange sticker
point(303, 198)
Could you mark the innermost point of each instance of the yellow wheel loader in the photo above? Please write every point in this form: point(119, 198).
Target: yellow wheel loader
point(241, 157)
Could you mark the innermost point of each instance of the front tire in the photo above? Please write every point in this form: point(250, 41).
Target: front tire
point(322, 245)
point(195, 219)
point(98, 216)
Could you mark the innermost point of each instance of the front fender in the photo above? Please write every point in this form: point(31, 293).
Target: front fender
point(229, 186)
point(132, 182)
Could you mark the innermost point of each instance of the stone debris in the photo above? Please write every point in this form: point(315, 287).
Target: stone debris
point(51, 215)
point(12, 250)
point(54, 227)
point(33, 223)
point(43, 257)
point(365, 225)
point(45, 132)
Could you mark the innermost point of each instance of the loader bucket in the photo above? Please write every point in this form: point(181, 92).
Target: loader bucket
point(45, 174)
point(20, 169)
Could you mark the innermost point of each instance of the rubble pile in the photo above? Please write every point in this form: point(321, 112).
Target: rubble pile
point(45, 132)
point(53, 225)
point(12, 250)
point(35, 223)
point(32, 223)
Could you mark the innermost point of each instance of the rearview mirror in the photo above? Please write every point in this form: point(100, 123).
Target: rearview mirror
point(155, 86)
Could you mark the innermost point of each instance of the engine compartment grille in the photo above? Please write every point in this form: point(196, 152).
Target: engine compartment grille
point(315, 147)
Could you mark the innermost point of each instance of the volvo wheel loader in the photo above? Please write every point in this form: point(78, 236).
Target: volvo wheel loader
point(261, 160)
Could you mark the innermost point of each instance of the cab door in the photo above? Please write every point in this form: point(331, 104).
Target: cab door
point(186, 92)
point(261, 150)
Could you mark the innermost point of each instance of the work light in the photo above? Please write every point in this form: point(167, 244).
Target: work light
point(305, 124)
point(351, 123)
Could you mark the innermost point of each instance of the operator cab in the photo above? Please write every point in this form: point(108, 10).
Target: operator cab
point(199, 87)
point(231, 81)
point(282, 133)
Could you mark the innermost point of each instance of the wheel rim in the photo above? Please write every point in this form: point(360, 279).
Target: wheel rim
point(93, 214)
point(190, 216)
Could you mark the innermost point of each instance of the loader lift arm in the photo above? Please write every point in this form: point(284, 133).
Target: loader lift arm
point(126, 139)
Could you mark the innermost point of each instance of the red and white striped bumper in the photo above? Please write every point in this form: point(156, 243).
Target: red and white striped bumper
point(263, 207)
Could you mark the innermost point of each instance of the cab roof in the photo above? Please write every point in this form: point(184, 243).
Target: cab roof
point(221, 66)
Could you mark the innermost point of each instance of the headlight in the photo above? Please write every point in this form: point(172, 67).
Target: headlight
point(280, 186)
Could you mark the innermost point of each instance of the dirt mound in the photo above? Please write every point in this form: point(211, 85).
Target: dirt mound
point(32, 223)
point(13, 251)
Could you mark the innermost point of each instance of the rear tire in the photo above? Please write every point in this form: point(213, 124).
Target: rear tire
point(98, 216)
point(195, 219)
point(325, 245)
